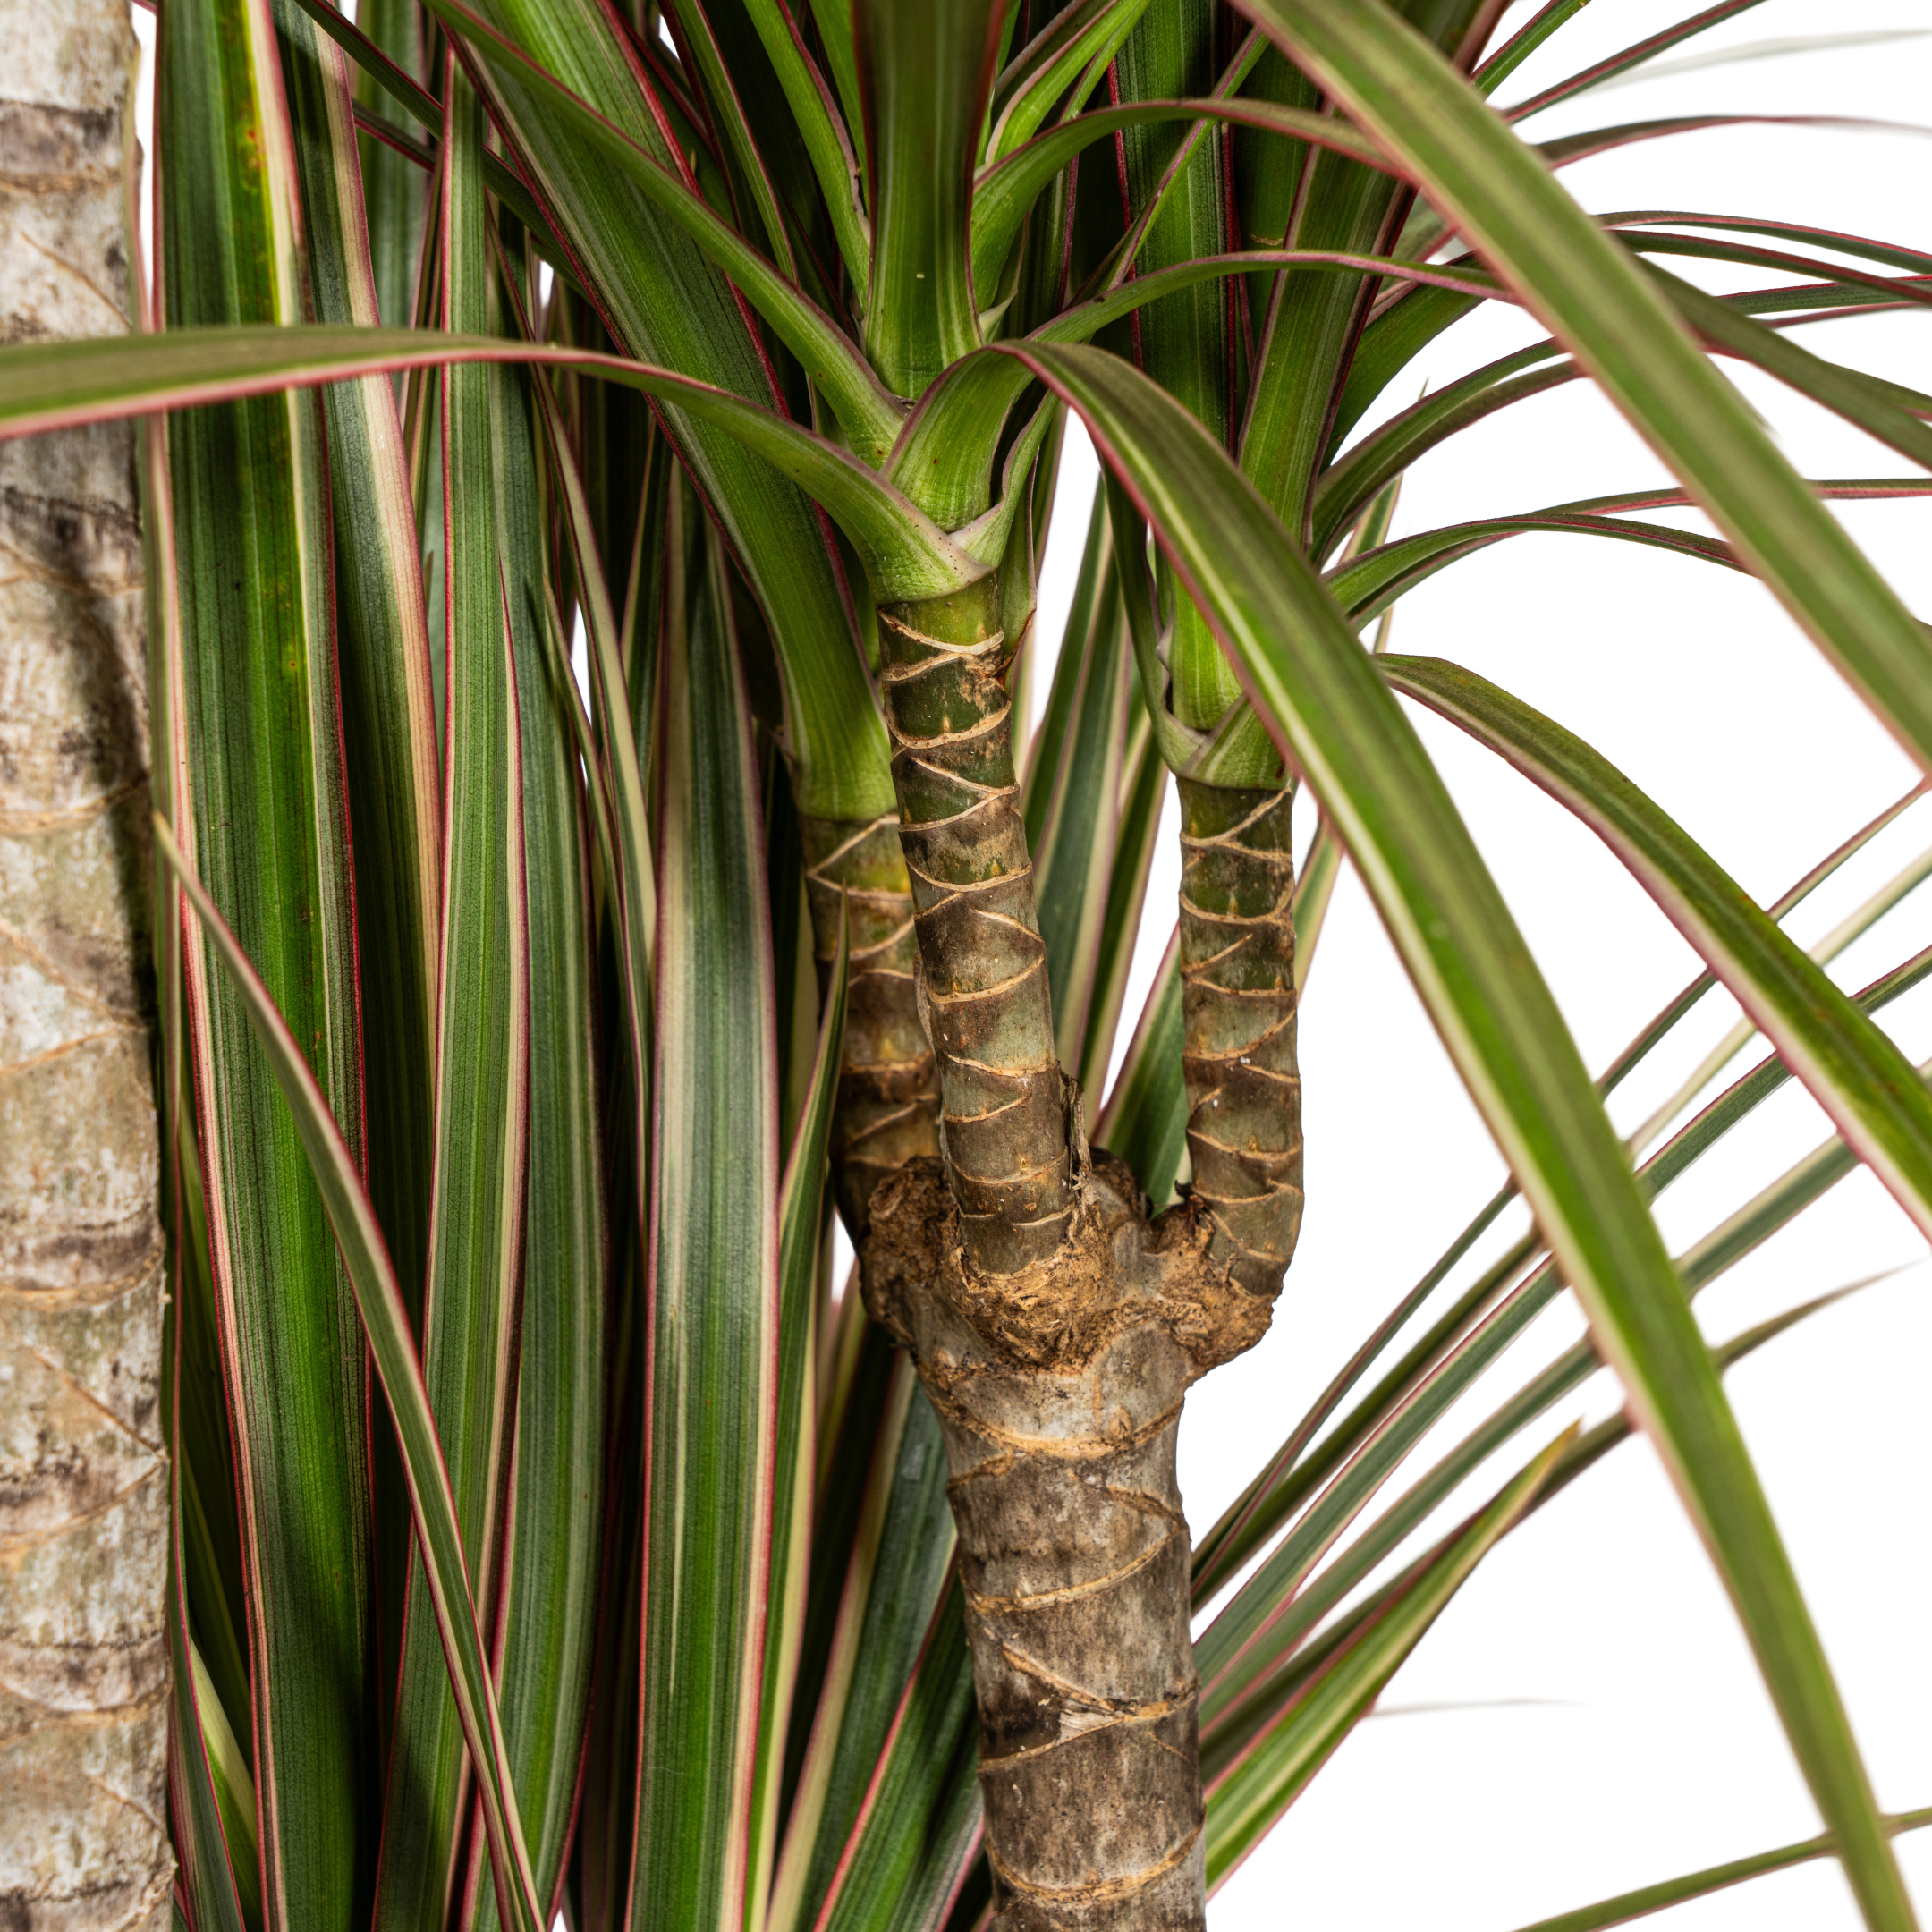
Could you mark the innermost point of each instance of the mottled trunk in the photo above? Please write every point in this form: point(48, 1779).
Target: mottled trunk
point(1055, 1329)
point(83, 1489)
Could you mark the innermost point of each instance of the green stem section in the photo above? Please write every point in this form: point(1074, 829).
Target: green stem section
point(983, 964)
point(886, 1111)
point(1238, 1009)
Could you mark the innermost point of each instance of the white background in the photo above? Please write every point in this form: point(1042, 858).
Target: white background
point(1605, 1727)
point(1585, 1718)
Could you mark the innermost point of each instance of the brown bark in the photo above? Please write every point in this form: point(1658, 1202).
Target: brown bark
point(887, 1108)
point(1238, 1014)
point(982, 963)
point(1059, 1390)
point(83, 1490)
point(1055, 1330)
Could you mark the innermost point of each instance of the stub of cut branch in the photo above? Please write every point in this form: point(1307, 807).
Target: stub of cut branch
point(1059, 1389)
point(886, 1112)
point(1238, 1015)
point(983, 965)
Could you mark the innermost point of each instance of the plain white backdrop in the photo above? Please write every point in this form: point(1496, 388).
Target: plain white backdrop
point(1585, 1718)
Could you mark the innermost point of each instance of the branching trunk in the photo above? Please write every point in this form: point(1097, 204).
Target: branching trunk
point(83, 1488)
point(1057, 1330)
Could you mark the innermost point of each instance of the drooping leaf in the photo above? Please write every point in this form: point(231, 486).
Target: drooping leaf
point(1248, 1797)
point(1865, 1084)
point(1653, 1898)
point(1617, 326)
point(1498, 1023)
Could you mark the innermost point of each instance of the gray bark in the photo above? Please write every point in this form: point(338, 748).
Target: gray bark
point(83, 1489)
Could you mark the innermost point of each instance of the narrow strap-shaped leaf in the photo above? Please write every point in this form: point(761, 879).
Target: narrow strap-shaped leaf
point(704, 59)
point(660, 296)
point(868, 412)
point(1368, 585)
point(1143, 792)
point(1074, 46)
point(821, 131)
point(389, 727)
point(800, 1215)
point(258, 800)
point(385, 1324)
point(862, 1434)
point(1865, 1084)
point(393, 189)
point(1823, 951)
point(1074, 854)
point(1500, 1026)
point(918, 1820)
point(1244, 1802)
point(1879, 409)
point(924, 75)
point(211, 1797)
point(554, 1514)
point(1145, 1119)
point(713, 1362)
point(615, 767)
point(1349, 484)
point(470, 1312)
point(1634, 55)
point(1005, 191)
point(1591, 296)
point(1653, 1898)
point(901, 1568)
point(59, 385)
point(1263, 1506)
point(1892, 253)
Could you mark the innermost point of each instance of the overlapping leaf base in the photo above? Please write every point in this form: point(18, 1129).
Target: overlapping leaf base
point(1238, 1003)
point(984, 991)
point(1059, 1390)
point(887, 1111)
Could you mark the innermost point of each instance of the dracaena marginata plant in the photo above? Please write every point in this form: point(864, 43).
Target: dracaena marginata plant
point(547, 1532)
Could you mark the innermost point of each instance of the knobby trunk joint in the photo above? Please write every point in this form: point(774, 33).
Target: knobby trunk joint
point(1058, 1389)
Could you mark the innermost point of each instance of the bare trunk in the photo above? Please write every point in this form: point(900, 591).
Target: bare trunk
point(1055, 1329)
point(83, 1492)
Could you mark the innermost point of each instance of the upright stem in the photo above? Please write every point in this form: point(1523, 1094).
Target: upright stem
point(982, 960)
point(1238, 1015)
point(887, 1108)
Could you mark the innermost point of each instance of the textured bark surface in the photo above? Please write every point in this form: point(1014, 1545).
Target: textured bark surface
point(1238, 1016)
point(1059, 1392)
point(887, 1109)
point(83, 1494)
point(983, 965)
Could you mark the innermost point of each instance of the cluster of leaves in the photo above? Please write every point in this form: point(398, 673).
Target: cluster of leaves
point(625, 1584)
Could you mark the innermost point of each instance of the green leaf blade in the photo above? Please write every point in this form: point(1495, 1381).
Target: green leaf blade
point(1497, 1020)
point(257, 794)
point(1619, 326)
point(482, 1072)
point(710, 1419)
